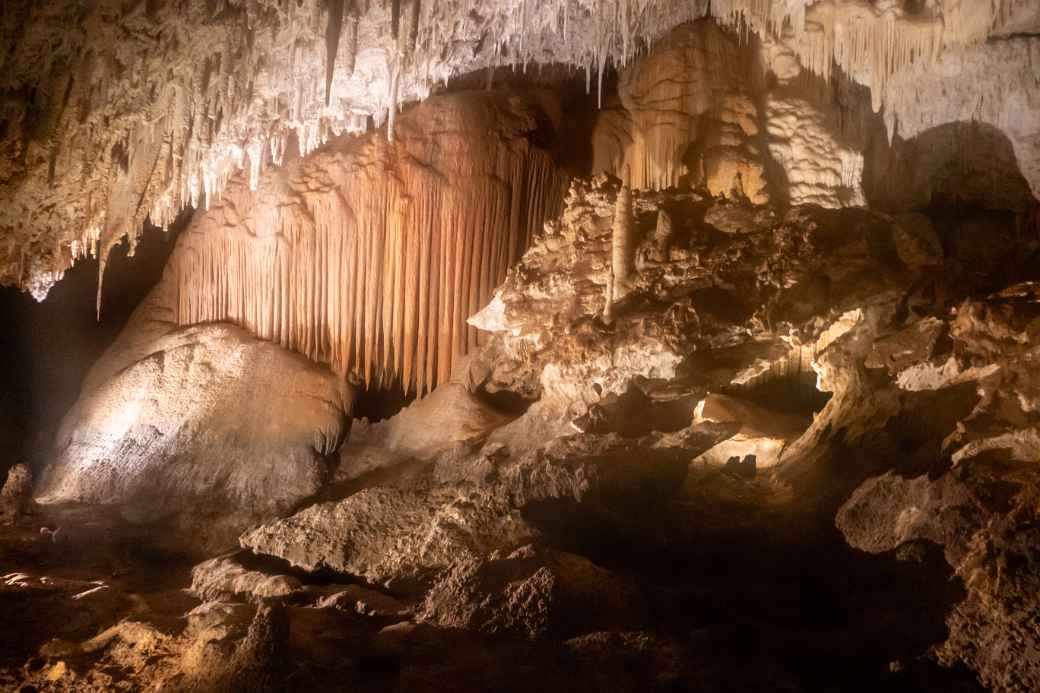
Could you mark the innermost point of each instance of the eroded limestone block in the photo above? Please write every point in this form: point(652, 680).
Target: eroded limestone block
point(211, 431)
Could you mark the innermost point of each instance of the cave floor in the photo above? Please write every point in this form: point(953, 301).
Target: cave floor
point(770, 602)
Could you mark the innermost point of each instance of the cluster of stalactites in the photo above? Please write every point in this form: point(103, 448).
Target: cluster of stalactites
point(238, 107)
point(868, 40)
point(375, 272)
point(227, 84)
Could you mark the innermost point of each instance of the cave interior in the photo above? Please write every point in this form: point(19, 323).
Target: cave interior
point(499, 345)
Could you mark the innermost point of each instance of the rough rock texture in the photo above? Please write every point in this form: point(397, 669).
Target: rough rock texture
point(718, 311)
point(989, 539)
point(16, 494)
point(531, 594)
point(384, 533)
point(929, 361)
point(469, 507)
point(983, 512)
point(225, 577)
point(205, 427)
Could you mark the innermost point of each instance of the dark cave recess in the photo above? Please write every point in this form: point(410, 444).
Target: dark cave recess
point(47, 348)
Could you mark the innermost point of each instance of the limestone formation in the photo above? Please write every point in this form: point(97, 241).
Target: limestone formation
point(370, 256)
point(206, 428)
point(473, 506)
point(614, 345)
point(530, 594)
point(226, 578)
point(687, 115)
point(763, 433)
point(110, 127)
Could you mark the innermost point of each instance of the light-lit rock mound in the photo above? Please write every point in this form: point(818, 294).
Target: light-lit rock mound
point(210, 429)
point(530, 593)
point(451, 416)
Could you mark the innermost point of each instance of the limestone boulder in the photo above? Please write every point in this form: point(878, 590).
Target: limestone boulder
point(205, 428)
point(530, 593)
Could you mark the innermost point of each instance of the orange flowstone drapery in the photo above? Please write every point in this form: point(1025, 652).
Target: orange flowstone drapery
point(369, 256)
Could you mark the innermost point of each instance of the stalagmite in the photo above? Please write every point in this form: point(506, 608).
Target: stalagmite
point(663, 233)
point(623, 244)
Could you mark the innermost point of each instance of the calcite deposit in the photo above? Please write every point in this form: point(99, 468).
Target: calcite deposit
point(117, 113)
point(594, 345)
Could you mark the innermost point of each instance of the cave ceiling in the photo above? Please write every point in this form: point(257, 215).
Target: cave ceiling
point(117, 112)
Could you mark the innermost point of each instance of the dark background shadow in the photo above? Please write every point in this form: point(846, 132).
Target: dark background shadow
point(46, 349)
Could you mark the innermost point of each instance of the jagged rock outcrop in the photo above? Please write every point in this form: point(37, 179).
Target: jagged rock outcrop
point(723, 307)
point(470, 506)
point(206, 428)
point(984, 517)
point(983, 511)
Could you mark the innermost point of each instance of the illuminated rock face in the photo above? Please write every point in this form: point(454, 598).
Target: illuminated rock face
point(710, 288)
point(687, 114)
point(989, 539)
point(553, 518)
point(206, 428)
point(592, 358)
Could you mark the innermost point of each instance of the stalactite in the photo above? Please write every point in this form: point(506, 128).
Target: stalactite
point(333, 30)
point(371, 260)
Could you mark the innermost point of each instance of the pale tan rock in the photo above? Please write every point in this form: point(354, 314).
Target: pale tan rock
point(212, 432)
point(687, 116)
point(529, 593)
point(763, 433)
point(472, 507)
point(225, 577)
